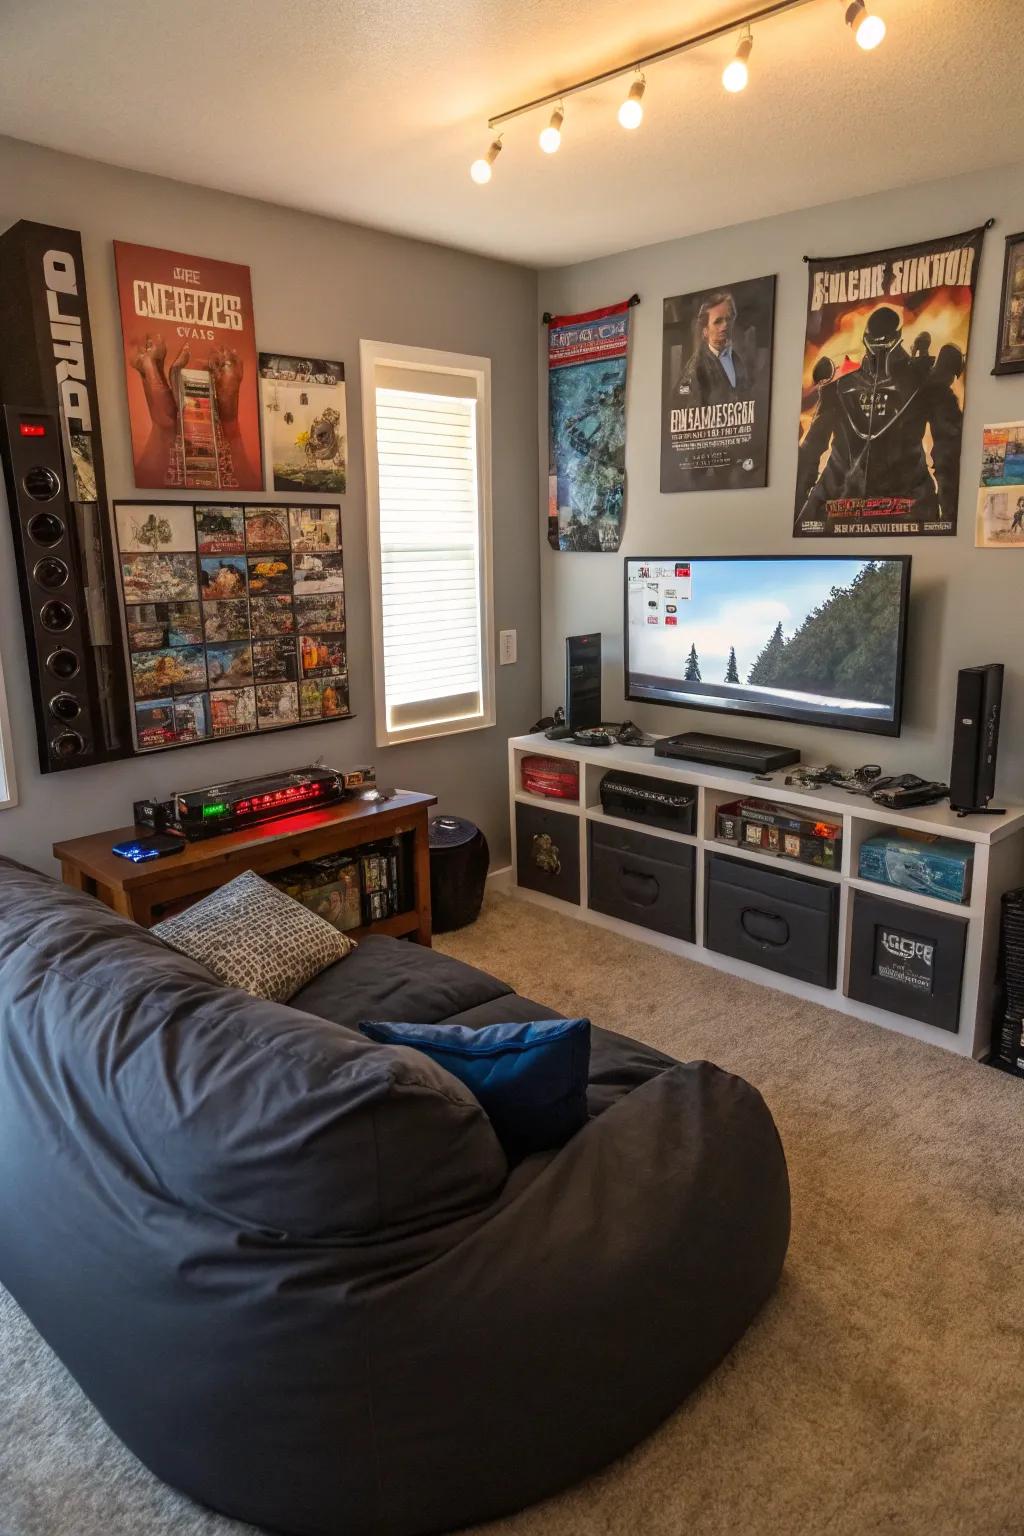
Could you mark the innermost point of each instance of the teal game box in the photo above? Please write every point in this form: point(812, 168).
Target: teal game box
point(918, 861)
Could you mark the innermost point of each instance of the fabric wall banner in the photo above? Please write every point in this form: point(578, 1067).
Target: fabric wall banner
point(587, 359)
point(883, 389)
point(716, 386)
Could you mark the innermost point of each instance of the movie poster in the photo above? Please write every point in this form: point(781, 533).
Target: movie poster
point(1000, 522)
point(883, 390)
point(190, 370)
point(234, 618)
point(587, 359)
point(716, 384)
point(304, 426)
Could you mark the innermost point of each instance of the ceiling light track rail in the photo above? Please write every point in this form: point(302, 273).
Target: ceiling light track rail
point(684, 45)
point(867, 27)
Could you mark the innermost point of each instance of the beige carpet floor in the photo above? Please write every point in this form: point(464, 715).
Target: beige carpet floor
point(879, 1392)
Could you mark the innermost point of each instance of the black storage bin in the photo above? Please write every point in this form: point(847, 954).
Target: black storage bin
point(548, 851)
point(908, 960)
point(655, 802)
point(782, 921)
point(644, 880)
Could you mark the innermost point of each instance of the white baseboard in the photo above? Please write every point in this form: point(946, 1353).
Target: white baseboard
point(500, 880)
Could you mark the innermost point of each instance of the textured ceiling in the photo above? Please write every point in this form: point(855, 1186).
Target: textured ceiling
point(372, 110)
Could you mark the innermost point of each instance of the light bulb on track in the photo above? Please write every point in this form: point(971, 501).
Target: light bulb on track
point(631, 113)
point(871, 32)
point(481, 169)
point(867, 29)
point(736, 74)
point(551, 137)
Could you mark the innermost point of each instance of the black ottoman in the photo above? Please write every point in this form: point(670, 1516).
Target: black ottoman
point(459, 860)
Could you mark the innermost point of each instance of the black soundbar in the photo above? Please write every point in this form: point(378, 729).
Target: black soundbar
point(726, 752)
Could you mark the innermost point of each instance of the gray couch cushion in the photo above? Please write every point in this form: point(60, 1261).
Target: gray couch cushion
point(391, 979)
point(260, 1114)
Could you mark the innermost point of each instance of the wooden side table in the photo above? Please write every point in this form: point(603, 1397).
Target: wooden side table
point(144, 892)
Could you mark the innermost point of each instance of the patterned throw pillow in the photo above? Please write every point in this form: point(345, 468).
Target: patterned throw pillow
point(252, 936)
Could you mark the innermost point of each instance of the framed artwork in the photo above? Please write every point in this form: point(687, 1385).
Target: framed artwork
point(190, 370)
point(1010, 341)
point(234, 618)
point(716, 385)
point(304, 424)
point(1000, 522)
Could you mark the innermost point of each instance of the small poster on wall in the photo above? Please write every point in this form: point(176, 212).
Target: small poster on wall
point(1000, 522)
point(716, 382)
point(234, 618)
point(304, 426)
point(587, 361)
point(883, 390)
point(190, 370)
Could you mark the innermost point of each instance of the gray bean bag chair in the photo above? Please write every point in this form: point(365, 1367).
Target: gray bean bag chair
point(293, 1269)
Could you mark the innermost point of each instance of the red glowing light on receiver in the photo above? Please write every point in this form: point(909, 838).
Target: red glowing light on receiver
point(31, 429)
point(294, 794)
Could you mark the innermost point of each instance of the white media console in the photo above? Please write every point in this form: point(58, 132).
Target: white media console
point(998, 866)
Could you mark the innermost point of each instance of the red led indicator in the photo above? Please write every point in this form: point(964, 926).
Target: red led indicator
point(31, 429)
point(293, 794)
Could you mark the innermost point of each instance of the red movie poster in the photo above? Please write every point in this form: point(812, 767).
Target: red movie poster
point(883, 390)
point(190, 370)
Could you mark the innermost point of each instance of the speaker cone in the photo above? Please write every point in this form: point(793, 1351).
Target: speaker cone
point(65, 706)
point(41, 483)
point(46, 528)
point(67, 744)
point(63, 664)
point(56, 616)
point(50, 572)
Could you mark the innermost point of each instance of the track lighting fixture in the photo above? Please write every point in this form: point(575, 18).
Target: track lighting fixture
point(632, 111)
point(736, 74)
point(551, 136)
point(480, 170)
point(867, 29)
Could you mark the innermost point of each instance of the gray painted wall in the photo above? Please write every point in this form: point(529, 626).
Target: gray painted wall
point(318, 287)
point(966, 602)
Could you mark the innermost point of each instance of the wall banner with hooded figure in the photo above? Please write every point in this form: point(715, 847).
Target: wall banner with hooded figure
point(587, 360)
point(883, 389)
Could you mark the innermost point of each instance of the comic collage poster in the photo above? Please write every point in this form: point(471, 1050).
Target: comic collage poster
point(304, 426)
point(1000, 523)
point(587, 361)
point(716, 381)
point(883, 390)
point(234, 618)
point(190, 370)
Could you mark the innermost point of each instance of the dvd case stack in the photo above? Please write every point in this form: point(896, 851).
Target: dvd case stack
point(1007, 1043)
point(349, 890)
point(381, 871)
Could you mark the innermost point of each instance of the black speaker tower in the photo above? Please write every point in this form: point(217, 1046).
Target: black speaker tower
point(972, 773)
point(52, 455)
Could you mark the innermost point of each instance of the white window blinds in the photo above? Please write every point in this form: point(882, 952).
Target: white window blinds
point(432, 587)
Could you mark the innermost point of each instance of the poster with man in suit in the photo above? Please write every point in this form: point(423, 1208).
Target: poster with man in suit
point(716, 387)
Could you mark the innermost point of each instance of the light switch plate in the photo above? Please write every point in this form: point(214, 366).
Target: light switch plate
point(508, 649)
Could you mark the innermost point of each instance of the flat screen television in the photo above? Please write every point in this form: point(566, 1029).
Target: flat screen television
point(818, 639)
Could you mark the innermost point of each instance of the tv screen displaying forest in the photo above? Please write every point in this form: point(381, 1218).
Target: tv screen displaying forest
point(818, 640)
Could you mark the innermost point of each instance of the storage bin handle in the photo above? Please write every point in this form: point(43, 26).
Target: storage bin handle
point(635, 881)
point(766, 928)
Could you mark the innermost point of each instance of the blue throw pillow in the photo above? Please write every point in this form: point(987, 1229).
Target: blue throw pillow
point(531, 1079)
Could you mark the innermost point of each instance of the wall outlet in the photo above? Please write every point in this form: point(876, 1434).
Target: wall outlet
point(507, 647)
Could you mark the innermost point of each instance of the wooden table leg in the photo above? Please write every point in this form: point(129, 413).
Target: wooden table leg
point(71, 875)
point(421, 879)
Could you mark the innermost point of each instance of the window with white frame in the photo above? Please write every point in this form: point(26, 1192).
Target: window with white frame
point(8, 792)
point(426, 423)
